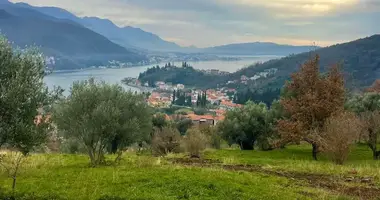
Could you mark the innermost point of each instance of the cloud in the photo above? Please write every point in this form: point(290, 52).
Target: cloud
point(214, 22)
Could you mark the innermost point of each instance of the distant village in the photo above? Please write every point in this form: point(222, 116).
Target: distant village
point(165, 95)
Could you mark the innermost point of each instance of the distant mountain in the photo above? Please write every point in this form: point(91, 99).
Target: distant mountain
point(360, 60)
point(73, 45)
point(128, 37)
point(258, 48)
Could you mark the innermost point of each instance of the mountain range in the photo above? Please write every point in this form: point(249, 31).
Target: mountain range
point(73, 45)
point(128, 36)
point(131, 37)
point(258, 48)
point(78, 42)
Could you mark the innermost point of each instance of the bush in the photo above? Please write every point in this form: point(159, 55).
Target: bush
point(213, 137)
point(340, 133)
point(194, 142)
point(72, 146)
point(200, 111)
point(166, 140)
point(183, 125)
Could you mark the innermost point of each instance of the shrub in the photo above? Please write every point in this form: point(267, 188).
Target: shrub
point(166, 140)
point(194, 142)
point(340, 133)
point(72, 146)
point(200, 111)
point(213, 137)
point(183, 125)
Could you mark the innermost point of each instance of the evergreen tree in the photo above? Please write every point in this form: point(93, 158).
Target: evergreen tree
point(174, 99)
point(188, 101)
point(199, 100)
point(204, 99)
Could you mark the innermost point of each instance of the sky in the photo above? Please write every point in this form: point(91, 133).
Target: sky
point(205, 23)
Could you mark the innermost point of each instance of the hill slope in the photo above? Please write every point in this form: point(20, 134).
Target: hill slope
point(128, 37)
point(360, 60)
point(73, 45)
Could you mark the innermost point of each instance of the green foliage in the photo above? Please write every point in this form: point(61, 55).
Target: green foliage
point(181, 98)
point(186, 75)
point(200, 111)
point(202, 100)
point(265, 96)
point(72, 146)
point(367, 106)
point(368, 102)
point(102, 115)
point(247, 125)
point(183, 124)
point(22, 93)
point(159, 120)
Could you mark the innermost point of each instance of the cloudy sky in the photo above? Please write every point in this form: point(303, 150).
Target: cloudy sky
point(214, 22)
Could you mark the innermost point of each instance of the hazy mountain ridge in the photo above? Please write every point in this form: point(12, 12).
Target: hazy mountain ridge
point(258, 48)
point(73, 45)
point(128, 37)
point(136, 38)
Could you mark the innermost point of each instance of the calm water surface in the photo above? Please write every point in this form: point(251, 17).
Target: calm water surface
point(65, 79)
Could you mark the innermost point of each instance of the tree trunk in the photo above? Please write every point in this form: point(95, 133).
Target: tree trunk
point(14, 184)
point(315, 151)
point(376, 155)
point(372, 143)
point(92, 156)
point(375, 152)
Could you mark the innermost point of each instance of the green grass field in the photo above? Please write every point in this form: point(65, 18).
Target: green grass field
point(221, 174)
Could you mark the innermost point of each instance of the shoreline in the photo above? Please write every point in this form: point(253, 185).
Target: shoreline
point(139, 87)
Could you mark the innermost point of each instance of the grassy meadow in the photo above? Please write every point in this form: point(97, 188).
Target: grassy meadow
point(221, 174)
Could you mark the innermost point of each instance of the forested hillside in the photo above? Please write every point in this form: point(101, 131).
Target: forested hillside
point(186, 75)
point(360, 60)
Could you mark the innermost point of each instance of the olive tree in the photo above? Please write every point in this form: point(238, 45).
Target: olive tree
point(103, 116)
point(247, 125)
point(22, 94)
point(367, 106)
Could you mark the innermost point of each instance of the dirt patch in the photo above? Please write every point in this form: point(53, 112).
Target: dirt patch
point(195, 161)
point(364, 188)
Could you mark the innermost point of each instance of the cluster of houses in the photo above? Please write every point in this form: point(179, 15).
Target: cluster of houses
point(219, 98)
point(167, 86)
point(264, 74)
point(164, 98)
